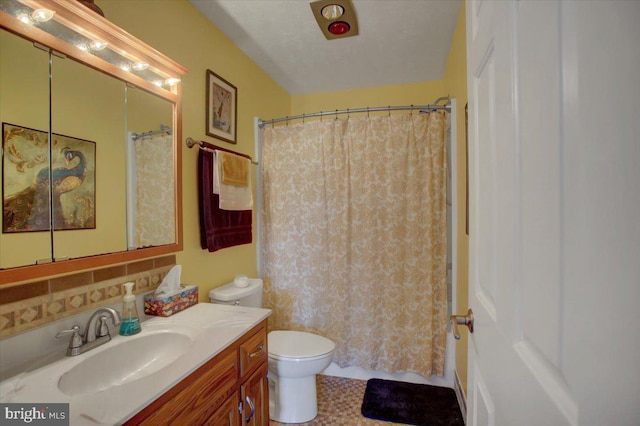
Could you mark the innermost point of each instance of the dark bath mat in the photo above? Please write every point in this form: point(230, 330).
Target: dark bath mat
point(411, 403)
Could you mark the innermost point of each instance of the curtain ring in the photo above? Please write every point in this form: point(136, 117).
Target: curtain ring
point(303, 118)
point(348, 115)
point(389, 110)
point(321, 115)
point(411, 111)
point(368, 113)
point(286, 120)
point(336, 114)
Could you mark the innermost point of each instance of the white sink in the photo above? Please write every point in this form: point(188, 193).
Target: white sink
point(125, 360)
point(109, 384)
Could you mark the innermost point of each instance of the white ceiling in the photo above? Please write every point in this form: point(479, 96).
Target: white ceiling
point(399, 41)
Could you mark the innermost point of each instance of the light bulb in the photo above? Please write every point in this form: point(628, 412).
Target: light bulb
point(172, 81)
point(332, 11)
point(339, 28)
point(98, 44)
point(24, 18)
point(42, 15)
point(140, 66)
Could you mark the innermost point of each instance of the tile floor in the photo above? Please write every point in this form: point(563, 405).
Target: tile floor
point(339, 402)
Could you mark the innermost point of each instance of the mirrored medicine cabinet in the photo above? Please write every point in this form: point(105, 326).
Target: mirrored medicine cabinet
point(91, 124)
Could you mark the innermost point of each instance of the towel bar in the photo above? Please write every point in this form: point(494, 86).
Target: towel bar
point(192, 142)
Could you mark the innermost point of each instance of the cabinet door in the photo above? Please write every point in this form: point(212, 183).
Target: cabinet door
point(196, 398)
point(227, 415)
point(255, 398)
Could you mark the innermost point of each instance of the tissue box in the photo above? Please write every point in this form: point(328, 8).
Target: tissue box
point(164, 306)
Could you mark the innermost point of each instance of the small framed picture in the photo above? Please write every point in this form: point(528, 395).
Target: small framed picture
point(222, 108)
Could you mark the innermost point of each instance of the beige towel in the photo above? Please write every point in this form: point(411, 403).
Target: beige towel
point(231, 197)
point(235, 169)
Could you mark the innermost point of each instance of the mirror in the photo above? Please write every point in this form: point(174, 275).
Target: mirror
point(89, 155)
point(114, 130)
point(151, 201)
point(24, 106)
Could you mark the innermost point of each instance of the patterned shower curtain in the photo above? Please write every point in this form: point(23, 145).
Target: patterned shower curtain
point(354, 237)
point(154, 206)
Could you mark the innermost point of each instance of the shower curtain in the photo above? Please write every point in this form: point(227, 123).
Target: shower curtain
point(354, 237)
point(154, 215)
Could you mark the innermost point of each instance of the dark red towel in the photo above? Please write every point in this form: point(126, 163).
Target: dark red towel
point(218, 228)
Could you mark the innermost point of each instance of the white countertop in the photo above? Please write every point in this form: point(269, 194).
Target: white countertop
point(212, 328)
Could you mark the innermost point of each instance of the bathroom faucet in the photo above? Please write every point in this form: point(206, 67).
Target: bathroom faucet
point(94, 335)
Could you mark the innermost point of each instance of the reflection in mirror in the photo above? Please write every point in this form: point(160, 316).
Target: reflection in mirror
point(89, 187)
point(151, 178)
point(24, 112)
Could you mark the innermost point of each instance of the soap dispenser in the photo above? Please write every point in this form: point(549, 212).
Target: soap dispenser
point(130, 324)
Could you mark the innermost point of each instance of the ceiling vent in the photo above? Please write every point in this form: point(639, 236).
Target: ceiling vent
point(336, 18)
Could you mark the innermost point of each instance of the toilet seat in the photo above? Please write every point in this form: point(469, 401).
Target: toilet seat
point(298, 345)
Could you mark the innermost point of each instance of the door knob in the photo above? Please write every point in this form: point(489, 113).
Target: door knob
point(462, 319)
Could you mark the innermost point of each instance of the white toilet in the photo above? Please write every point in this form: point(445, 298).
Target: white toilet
point(295, 357)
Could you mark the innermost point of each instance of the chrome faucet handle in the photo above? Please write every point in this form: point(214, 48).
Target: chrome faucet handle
point(76, 339)
point(93, 331)
point(103, 329)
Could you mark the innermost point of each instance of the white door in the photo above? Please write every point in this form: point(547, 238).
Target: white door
point(554, 248)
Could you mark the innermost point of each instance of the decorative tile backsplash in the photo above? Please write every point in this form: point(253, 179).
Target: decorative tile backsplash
point(29, 305)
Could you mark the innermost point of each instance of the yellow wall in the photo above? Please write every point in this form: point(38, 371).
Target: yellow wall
point(179, 31)
point(455, 83)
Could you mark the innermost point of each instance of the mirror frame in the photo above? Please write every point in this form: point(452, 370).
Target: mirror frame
point(81, 19)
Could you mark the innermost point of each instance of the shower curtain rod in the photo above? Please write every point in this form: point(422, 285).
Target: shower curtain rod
point(163, 129)
point(423, 108)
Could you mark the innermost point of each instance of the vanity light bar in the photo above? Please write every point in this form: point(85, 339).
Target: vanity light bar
point(68, 25)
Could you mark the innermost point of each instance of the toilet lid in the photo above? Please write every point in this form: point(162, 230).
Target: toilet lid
point(298, 344)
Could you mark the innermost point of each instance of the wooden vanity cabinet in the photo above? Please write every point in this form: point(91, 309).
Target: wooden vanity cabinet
point(214, 394)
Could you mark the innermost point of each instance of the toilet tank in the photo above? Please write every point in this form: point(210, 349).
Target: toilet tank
point(230, 294)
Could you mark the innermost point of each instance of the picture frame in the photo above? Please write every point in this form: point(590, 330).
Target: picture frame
point(222, 108)
point(25, 181)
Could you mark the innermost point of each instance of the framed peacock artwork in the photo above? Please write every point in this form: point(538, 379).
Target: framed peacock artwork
point(25, 181)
